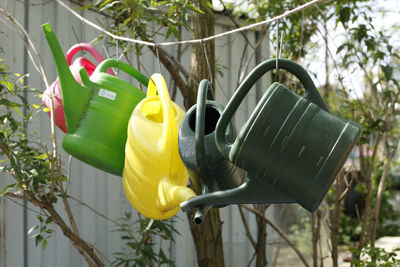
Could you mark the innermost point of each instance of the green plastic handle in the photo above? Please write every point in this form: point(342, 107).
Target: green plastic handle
point(114, 63)
point(294, 68)
point(203, 94)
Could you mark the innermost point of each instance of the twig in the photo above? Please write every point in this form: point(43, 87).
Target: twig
point(248, 61)
point(66, 205)
point(348, 186)
point(379, 194)
point(104, 256)
point(68, 172)
point(280, 232)
point(230, 16)
point(246, 227)
point(105, 217)
point(22, 29)
point(21, 205)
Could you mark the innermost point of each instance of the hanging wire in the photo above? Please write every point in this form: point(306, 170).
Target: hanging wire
point(158, 60)
point(277, 47)
point(251, 26)
point(208, 62)
point(36, 4)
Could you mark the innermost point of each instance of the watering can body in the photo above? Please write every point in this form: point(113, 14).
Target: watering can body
point(154, 176)
point(96, 112)
point(55, 90)
point(292, 147)
point(208, 170)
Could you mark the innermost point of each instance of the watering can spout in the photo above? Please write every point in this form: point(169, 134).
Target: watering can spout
point(252, 191)
point(75, 96)
point(171, 196)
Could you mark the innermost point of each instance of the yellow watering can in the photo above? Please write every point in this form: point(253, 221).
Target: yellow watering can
point(154, 177)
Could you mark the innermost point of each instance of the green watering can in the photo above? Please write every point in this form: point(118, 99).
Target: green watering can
point(292, 147)
point(98, 111)
point(208, 170)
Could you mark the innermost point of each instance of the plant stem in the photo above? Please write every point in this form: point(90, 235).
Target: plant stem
point(280, 232)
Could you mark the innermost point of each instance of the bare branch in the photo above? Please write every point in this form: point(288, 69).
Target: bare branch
point(105, 217)
point(246, 227)
point(280, 232)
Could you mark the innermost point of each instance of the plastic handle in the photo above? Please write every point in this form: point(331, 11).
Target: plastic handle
point(114, 63)
point(170, 131)
point(202, 95)
point(87, 47)
point(294, 68)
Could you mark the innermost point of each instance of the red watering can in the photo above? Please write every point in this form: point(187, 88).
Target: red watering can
point(55, 90)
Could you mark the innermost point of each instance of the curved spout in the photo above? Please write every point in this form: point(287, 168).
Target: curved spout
point(253, 191)
point(171, 196)
point(75, 96)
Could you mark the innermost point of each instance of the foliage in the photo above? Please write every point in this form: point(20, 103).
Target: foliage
point(22, 156)
point(143, 252)
point(137, 18)
point(300, 234)
point(298, 28)
point(39, 180)
point(383, 257)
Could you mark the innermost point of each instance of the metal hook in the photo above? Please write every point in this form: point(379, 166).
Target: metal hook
point(105, 51)
point(203, 43)
point(77, 39)
point(158, 58)
point(277, 46)
point(83, 34)
point(117, 47)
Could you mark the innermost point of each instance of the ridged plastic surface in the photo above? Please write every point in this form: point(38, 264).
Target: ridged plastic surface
point(154, 176)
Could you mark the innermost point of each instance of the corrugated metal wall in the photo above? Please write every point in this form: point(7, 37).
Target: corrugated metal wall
point(96, 188)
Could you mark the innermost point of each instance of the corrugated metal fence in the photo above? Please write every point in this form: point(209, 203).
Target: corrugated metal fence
point(102, 191)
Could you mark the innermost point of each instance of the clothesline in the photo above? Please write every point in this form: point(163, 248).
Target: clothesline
point(194, 41)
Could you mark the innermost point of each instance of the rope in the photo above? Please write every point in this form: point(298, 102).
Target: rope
point(195, 41)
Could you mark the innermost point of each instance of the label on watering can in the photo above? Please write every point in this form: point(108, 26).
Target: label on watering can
point(107, 94)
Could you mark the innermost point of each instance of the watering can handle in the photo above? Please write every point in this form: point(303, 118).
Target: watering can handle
point(202, 95)
point(114, 63)
point(294, 68)
point(87, 47)
point(170, 131)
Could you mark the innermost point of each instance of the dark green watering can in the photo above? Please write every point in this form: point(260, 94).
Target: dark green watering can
point(292, 147)
point(98, 111)
point(208, 170)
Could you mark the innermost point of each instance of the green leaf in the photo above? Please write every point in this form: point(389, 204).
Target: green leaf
point(18, 111)
point(41, 156)
point(7, 189)
point(191, 7)
point(44, 244)
point(387, 71)
point(9, 86)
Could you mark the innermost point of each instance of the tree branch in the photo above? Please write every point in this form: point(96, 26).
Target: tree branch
point(280, 232)
point(105, 217)
point(246, 227)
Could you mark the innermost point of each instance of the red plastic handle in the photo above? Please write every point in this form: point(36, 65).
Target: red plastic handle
point(87, 47)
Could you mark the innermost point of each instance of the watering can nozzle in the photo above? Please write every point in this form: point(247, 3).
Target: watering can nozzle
point(200, 214)
point(171, 196)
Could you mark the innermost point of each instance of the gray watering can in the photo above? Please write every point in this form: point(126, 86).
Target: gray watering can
point(208, 170)
point(292, 147)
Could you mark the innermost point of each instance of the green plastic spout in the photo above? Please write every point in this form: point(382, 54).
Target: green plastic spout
point(75, 96)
